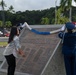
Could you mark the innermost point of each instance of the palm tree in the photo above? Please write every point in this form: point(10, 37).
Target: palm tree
point(67, 4)
point(11, 9)
point(2, 4)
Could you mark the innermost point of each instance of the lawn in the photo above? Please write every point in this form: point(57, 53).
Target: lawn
point(3, 44)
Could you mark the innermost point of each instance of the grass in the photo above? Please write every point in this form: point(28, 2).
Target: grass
point(3, 43)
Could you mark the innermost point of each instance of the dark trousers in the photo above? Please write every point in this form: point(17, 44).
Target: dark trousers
point(70, 64)
point(11, 61)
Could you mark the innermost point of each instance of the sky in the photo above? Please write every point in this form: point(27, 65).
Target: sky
point(23, 5)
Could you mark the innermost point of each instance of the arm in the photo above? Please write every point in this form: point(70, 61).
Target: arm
point(18, 46)
point(60, 35)
point(25, 24)
point(38, 32)
point(44, 33)
point(62, 32)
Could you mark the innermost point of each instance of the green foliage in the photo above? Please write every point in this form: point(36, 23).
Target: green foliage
point(60, 18)
point(66, 5)
point(8, 24)
point(74, 18)
point(63, 20)
point(45, 20)
point(35, 17)
point(39, 17)
point(1, 24)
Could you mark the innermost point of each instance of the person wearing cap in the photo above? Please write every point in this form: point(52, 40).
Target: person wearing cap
point(69, 48)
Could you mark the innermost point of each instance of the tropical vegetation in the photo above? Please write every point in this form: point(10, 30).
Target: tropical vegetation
point(10, 17)
point(66, 5)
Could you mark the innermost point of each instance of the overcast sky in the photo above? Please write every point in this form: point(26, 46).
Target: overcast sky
point(23, 5)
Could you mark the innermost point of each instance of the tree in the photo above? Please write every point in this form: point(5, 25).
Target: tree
point(45, 20)
point(11, 9)
point(0, 23)
point(60, 18)
point(8, 24)
point(67, 4)
point(2, 4)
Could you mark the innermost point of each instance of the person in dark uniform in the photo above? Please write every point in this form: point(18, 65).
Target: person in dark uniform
point(69, 48)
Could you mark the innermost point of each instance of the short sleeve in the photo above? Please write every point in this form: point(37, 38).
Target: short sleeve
point(17, 43)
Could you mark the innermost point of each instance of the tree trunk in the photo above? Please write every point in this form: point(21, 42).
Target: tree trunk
point(70, 14)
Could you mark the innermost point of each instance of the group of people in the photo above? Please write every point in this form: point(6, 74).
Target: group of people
point(68, 49)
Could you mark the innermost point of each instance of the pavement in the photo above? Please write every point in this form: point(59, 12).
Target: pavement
point(1, 59)
point(1, 53)
point(38, 49)
point(2, 73)
point(3, 39)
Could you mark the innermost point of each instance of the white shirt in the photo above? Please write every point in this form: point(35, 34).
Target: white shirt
point(12, 47)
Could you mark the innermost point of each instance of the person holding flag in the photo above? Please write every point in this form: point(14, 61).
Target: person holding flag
point(69, 48)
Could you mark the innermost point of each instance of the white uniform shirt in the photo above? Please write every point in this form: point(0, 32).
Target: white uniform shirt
point(12, 47)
